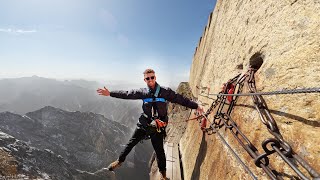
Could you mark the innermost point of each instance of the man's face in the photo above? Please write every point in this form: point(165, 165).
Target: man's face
point(150, 79)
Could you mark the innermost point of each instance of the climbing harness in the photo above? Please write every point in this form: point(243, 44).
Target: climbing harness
point(155, 97)
point(149, 100)
point(154, 124)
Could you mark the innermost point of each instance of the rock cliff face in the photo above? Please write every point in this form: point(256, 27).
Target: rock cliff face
point(285, 35)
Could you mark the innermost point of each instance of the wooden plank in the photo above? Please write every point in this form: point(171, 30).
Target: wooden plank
point(177, 170)
point(170, 162)
point(173, 163)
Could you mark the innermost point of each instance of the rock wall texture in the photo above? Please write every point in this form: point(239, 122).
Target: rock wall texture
point(286, 34)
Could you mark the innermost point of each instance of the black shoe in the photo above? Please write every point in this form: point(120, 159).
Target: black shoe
point(114, 165)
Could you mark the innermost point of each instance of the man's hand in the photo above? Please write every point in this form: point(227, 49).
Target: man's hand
point(103, 92)
point(200, 109)
point(160, 123)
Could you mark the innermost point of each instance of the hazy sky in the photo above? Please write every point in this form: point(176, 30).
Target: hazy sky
point(111, 41)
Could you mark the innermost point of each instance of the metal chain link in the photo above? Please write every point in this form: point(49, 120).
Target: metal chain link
point(278, 144)
point(222, 119)
point(246, 168)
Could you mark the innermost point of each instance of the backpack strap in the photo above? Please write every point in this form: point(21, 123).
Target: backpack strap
point(155, 97)
point(157, 91)
point(153, 100)
point(148, 100)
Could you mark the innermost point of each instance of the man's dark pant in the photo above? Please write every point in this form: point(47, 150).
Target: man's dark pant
point(157, 143)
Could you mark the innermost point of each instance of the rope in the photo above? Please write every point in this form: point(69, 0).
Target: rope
point(292, 91)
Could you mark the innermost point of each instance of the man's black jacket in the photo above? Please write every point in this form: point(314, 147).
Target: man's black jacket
point(161, 107)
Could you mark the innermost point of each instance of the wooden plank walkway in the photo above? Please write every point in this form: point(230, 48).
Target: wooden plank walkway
point(173, 163)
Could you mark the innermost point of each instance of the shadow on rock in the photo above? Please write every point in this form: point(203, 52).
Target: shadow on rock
point(201, 155)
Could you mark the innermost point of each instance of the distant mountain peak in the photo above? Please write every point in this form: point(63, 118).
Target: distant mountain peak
point(49, 108)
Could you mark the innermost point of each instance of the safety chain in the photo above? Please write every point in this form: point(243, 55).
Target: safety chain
point(278, 144)
point(223, 119)
point(215, 130)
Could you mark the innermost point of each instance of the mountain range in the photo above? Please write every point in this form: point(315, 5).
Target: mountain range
point(22, 95)
point(68, 145)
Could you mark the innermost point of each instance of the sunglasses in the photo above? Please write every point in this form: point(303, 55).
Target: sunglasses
point(148, 78)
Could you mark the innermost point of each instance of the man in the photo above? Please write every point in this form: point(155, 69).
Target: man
point(154, 107)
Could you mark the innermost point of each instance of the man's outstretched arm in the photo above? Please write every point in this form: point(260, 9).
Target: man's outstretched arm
point(132, 94)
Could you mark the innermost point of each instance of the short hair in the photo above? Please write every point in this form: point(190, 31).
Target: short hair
point(148, 71)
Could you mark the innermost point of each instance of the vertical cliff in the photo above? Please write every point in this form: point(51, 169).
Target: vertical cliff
point(284, 36)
